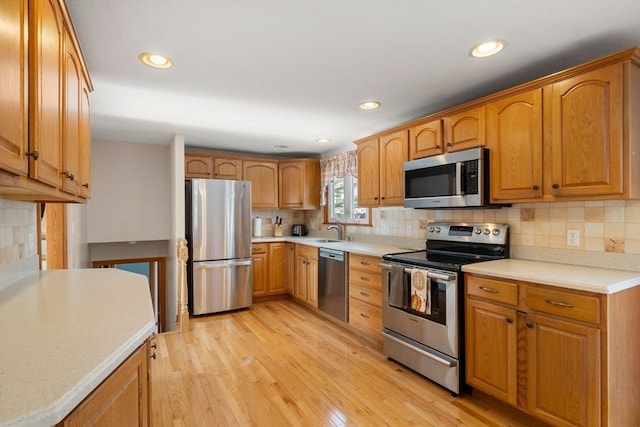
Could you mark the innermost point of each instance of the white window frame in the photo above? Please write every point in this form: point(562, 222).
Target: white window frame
point(353, 214)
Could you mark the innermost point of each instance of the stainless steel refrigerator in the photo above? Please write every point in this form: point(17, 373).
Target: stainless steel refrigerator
point(218, 232)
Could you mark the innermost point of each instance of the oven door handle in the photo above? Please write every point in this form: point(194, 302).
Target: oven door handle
point(434, 275)
point(420, 351)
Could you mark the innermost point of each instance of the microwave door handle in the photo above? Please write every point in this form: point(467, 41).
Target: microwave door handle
point(459, 171)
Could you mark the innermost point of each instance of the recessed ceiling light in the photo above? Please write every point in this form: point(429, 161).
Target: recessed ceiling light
point(369, 105)
point(488, 48)
point(155, 60)
point(323, 140)
point(281, 147)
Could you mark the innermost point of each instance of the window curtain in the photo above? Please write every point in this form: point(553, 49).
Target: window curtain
point(339, 165)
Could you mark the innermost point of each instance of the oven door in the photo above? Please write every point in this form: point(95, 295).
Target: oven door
point(438, 329)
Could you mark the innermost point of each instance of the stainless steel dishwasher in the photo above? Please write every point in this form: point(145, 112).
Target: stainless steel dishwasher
point(333, 292)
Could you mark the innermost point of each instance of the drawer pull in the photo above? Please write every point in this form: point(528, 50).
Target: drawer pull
point(559, 303)
point(364, 279)
point(364, 315)
point(364, 294)
point(364, 263)
point(490, 290)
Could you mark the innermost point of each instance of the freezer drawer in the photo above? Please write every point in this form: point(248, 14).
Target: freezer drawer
point(221, 286)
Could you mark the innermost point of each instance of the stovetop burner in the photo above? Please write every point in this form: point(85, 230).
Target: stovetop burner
point(452, 245)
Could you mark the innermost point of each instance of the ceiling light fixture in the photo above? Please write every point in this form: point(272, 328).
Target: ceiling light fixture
point(369, 105)
point(485, 49)
point(323, 140)
point(154, 60)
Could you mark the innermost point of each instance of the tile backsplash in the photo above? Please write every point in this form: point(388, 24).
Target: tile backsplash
point(17, 232)
point(603, 226)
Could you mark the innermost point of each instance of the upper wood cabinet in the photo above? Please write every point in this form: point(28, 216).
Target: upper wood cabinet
point(587, 134)
point(514, 132)
point(227, 168)
point(380, 169)
point(264, 183)
point(14, 87)
point(44, 110)
point(198, 166)
point(426, 140)
point(299, 184)
point(465, 130)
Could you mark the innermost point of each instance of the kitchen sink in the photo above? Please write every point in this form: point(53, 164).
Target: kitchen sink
point(323, 240)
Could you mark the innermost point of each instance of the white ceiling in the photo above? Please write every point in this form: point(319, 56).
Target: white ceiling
point(251, 74)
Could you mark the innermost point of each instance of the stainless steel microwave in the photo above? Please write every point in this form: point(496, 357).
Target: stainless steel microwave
point(453, 180)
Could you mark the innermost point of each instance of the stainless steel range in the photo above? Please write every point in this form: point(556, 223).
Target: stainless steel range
point(423, 297)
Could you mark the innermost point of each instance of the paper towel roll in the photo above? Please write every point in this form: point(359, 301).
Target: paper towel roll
point(257, 227)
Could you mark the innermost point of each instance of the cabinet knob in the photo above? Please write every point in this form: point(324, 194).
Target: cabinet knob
point(154, 345)
point(85, 185)
point(509, 320)
point(153, 356)
point(35, 154)
point(375, 198)
point(437, 146)
point(68, 174)
point(529, 324)
point(382, 198)
point(535, 187)
point(555, 186)
point(449, 144)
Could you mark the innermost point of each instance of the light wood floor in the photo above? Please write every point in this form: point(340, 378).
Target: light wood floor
point(280, 364)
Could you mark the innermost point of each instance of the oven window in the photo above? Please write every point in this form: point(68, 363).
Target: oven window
point(433, 181)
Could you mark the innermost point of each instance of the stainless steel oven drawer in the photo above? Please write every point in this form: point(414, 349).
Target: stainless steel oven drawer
point(434, 365)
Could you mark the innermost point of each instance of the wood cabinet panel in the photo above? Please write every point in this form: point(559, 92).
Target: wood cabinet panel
point(290, 267)
point(365, 294)
point(563, 303)
point(14, 87)
point(587, 134)
point(277, 276)
point(306, 286)
point(72, 79)
point(465, 130)
point(259, 257)
point(394, 151)
point(224, 168)
point(299, 184)
point(493, 290)
point(122, 399)
point(264, 183)
point(84, 146)
point(426, 140)
point(198, 166)
point(514, 132)
point(368, 173)
point(366, 318)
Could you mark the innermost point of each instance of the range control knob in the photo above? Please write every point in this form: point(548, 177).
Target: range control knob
point(430, 229)
point(437, 229)
point(486, 232)
point(495, 232)
point(477, 230)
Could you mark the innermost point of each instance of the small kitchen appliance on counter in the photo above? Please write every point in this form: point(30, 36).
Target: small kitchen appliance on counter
point(423, 298)
point(298, 230)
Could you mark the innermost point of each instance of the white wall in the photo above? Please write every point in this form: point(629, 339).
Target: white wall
point(130, 199)
point(78, 255)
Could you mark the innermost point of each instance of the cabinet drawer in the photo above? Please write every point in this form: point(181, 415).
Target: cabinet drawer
point(368, 295)
point(259, 248)
point(563, 303)
point(365, 317)
point(492, 289)
point(307, 251)
point(365, 278)
point(365, 263)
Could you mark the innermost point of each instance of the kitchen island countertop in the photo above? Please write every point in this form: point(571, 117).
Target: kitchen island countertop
point(62, 332)
point(361, 248)
point(590, 279)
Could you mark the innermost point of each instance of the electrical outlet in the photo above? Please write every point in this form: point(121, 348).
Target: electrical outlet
point(385, 229)
point(409, 230)
point(573, 237)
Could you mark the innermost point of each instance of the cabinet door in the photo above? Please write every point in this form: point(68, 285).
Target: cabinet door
point(291, 182)
point(14, 87)
point(465, 130)
point(72, 110)
point(563, 367)
point(587, 132)
point(425, 140)
point(300, 290)
point(264, 183)
point(227, 168)
point(45, 98)
point(277, 275)
point(259, 256)
point(368, 173)
point(196, 166)
point(312, 281)
point(491, 349)
point(394, 151)
point(85, 142)
point(290, 267)
point(514, 132)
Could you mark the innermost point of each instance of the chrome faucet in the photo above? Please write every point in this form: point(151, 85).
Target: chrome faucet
point(339, 228)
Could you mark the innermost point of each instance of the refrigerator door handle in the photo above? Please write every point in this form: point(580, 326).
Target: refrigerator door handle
point(213, 264)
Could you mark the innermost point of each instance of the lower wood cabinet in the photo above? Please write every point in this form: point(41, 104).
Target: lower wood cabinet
point(121, 400)
point(365, 295)
point(290, 266)
point(566, 357)
point(306, 271)
point(269, 276)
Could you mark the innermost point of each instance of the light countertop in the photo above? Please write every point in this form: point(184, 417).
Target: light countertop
point(62, 332)
point(590, 279)
point(341, 245)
